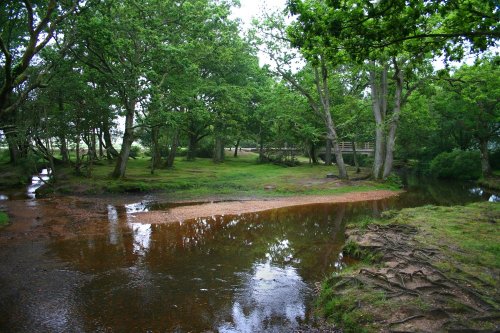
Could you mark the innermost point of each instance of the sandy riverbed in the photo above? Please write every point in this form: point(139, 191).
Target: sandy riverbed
point(182, 213)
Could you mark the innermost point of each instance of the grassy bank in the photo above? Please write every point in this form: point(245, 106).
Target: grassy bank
point(241, 176)
point(422, 269)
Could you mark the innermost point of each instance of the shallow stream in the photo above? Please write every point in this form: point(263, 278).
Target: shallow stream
point(83, 265)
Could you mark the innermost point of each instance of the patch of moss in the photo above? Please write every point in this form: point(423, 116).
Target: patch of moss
point(4, 219)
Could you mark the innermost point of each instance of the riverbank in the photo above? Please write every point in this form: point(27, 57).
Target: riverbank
point(223, 208)
point(421, 269)
point(236, 177)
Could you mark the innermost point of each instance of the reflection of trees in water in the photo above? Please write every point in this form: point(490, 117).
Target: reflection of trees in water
point(200, 272)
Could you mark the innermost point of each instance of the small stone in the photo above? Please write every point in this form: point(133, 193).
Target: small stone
point(269, 187)
point(331, 175)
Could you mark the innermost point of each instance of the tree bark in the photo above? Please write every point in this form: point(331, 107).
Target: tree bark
point(64, 149)
point(128, 139)
point(355, 157)
point(236, 146)
point(173, 150)
point(192, 145)
point(391, 137)
point(110, 150)
point(313, 153)
point(219, 150)
point(485, 159)
point(328, 152)
point(155, 149)
point(324, 93)
point(378, 108)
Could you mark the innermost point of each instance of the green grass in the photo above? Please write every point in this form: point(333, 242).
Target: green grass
point(4, 219)
point(241, 176)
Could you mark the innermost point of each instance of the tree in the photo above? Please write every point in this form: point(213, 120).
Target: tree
point(271, 34)
point(27, 28)
point(477, 94)
point(389, 34)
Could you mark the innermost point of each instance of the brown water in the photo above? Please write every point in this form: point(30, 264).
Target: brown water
point(83, 265)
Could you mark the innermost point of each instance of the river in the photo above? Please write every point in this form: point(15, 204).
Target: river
point(83, 265)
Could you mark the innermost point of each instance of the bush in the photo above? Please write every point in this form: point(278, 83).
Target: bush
point(135, 151)
point(458, 164)
point(363, 160)
point(205, 149)
point(495, 159)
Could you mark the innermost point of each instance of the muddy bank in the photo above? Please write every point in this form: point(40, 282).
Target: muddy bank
point(420, 271)
point(188, 212)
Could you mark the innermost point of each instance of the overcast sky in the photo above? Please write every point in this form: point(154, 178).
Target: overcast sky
point(253, 8)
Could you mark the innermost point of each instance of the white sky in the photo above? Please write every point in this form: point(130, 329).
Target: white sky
point(252, 8)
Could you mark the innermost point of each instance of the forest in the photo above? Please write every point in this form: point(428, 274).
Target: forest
point(169, 166)
point(82, 82)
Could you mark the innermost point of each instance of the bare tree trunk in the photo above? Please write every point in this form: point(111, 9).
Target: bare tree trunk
point(155, 149)
point(64, 149)
point(101, 151)
point(173, 150)
point(261, 147)
point(110, 150)
point(78, 160)
point(485, 159)
point(391, 137)
point(328, 152)
point(324, 93)
point(355, 157)
point(193, 142)
point(14, 152)
point(378, 106)
point(236, 146)
point(218, 150)
point(128, 139)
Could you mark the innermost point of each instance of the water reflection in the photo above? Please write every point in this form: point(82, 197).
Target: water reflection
point(36, 182)
point(271, 298)
point(248, 273)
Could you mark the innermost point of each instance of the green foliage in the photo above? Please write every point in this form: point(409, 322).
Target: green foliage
point(4, 219)
point(135, 151)
point(464, 165)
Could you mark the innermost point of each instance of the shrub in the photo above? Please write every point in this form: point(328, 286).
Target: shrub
point(135, 151)
point(458, 164)
point(205, 149)
point(495, 159)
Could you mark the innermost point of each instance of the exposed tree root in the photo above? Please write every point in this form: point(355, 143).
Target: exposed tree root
point(409, 278)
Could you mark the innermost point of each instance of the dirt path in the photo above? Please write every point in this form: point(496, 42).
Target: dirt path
point(179, 214)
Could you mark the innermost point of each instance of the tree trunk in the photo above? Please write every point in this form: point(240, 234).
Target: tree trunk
point(101, 151)
point(391, 137)
point(485, 159)
point(64, 149)
point(378, 108)
point(236, 146)
point(173, 150)
point(355, 157)
point(261, 148)
point(219, 150)
point(77, 162)
point(324, 94)
point(328, 152)
point(313, 153)
point(110, 150)
point(155, 149)
point(128, 139)
point(14, 152)
point(192, 145)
